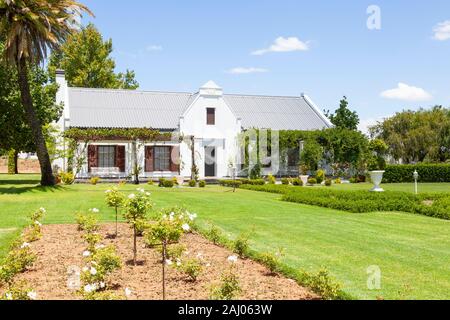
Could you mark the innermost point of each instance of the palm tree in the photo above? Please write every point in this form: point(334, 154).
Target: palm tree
point(30, 28)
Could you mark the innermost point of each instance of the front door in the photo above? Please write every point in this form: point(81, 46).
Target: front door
point(210, 161)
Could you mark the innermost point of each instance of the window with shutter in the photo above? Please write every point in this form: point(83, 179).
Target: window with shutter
point(162, 158)
point(106, 156)
point(149, 159)
point(210, 116)
point(92, 157)
point(120, 158)
point(175, 159)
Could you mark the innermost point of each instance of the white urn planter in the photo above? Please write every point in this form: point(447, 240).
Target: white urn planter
point(304, 179)
point(377, 178)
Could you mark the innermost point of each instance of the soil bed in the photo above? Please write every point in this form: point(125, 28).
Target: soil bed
point(61, 249)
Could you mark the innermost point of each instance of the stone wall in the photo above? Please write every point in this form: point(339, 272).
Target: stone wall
point(25, 165)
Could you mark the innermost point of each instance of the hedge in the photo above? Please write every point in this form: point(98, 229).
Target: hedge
point(230, 183)
point(278, 189)
point(240, 182)
point(432, 205)
point(427, 173)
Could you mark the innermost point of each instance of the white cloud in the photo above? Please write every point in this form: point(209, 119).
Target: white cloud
point(241, 70)
point(442, 31)
point(365, 124)
point(154, 48)
point(282, 44)
point(407, 93)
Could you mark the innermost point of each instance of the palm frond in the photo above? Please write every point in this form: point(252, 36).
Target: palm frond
point(32, 27)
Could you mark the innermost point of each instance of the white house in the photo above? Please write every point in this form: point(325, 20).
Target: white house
point(213, 118)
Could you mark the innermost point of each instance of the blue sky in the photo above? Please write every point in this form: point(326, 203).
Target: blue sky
point(325, 49)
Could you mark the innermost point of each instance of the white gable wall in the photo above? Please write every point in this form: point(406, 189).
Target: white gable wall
point(222, 135)
point(62, 96)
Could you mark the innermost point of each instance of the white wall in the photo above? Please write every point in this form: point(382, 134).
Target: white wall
point(225, 131)
point(62, 96)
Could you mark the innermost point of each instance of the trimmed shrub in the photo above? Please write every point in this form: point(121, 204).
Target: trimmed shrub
point(285, 181)
point(312, 181)
point(320, 176)
point(214, 234)
point(230, 183)
point(427, 173)
point(192, 268)
point(202, 184)
point(271, 179)
point(164, 183)
point(229, 287)
point(94, 180)
point(253, 182)
point(328, 183)
point(241, 245)
point(192, 183)
point(67, 178)
point(297, 182)
point(322, 284)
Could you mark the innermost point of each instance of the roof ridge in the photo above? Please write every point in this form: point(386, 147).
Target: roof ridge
point(130, 91)
point(137, 91)
point(262, 96)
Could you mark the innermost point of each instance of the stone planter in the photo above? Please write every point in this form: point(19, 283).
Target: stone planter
point(304, 180)
point(377, 178)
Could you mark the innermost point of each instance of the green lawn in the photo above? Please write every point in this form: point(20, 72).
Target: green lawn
point(412, 251)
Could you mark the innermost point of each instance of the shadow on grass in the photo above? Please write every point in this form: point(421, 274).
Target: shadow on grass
point(21, 190)
point(18, 182)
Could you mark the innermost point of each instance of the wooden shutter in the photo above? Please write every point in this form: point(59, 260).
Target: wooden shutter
point(149, 166)
point(92, 157)
point(175, 159)
point(120, 158)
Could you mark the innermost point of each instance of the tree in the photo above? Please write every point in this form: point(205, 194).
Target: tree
point(31, 28)
point(86, 59)
point(416, 136)
point(311, 155)
point(346, 148)
point(16, 136)
point(378, 149)
point(344, 118)
point(137, 207)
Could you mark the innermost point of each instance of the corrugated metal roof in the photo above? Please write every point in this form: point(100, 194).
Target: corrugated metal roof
point(100, 108)
point(277, 113)
point(104, 108)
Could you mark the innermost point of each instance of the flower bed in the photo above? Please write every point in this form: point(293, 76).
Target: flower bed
point(60, 255)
